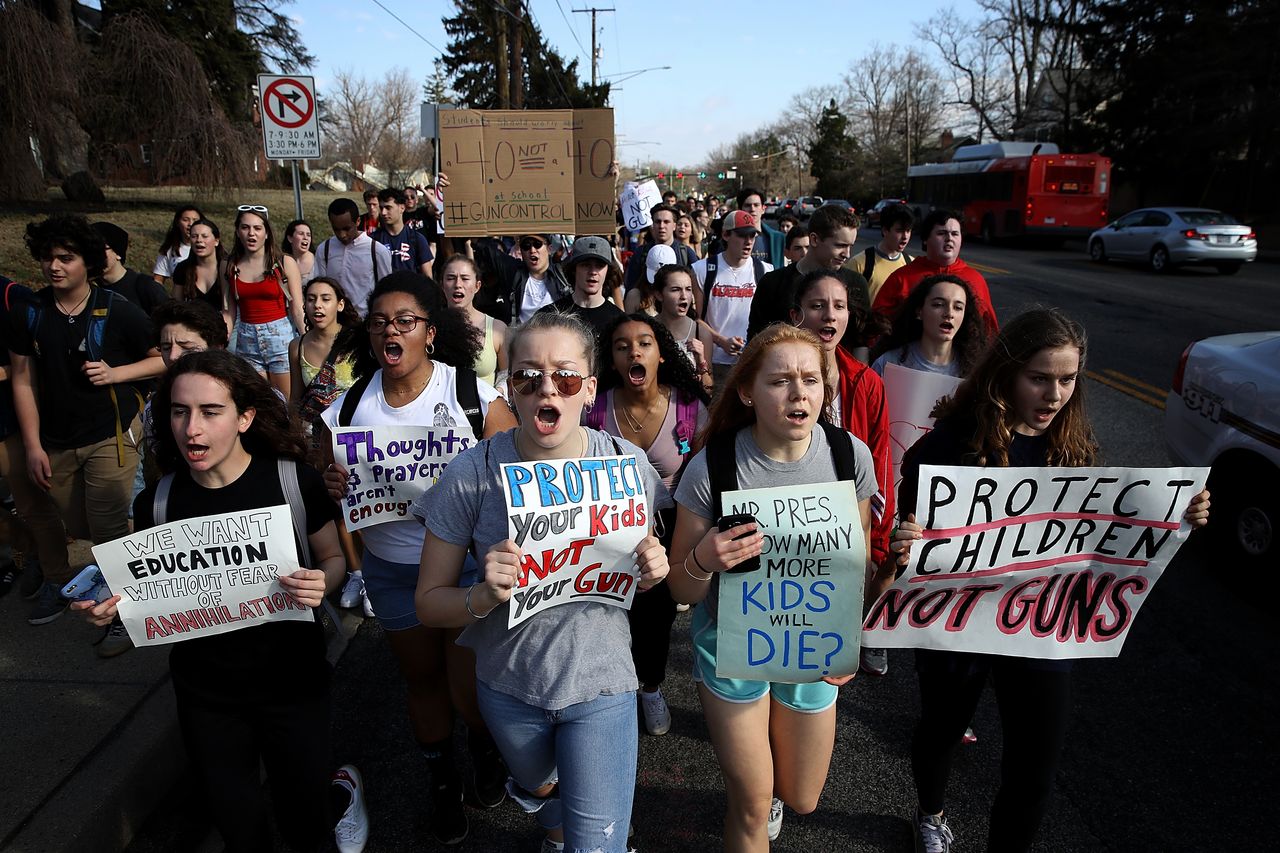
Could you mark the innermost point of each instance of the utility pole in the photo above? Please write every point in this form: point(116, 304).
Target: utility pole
point(504, 83)
point(517, 59)
point(595, 51)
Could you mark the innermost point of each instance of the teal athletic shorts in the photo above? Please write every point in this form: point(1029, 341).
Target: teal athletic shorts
point(804, 698)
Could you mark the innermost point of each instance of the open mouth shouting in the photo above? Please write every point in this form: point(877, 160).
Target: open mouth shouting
point(196, 452)
point(947, 328)
point(797, 417)
point(1044, 415)
point(392, 352)
point(827, 334)
point(636, 374)
point(546, 419)
point(456, 297)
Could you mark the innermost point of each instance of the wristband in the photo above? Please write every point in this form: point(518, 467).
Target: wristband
point(467, 602)
point(698, 562)
point(691, 574)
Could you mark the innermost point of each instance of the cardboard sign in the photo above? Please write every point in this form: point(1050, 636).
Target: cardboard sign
point(1034, 562)
point(528, 171)
point(203, 576)
point(578, 522)
point(636, 201)
point(911, 396)
point(390, 466)
point(795, 619)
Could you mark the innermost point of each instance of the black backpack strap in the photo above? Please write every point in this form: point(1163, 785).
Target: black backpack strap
point(722, 469)
point(710, 282)
point(352, 399)
point(841, 443)
point(759, 268)
point(160, 501)
point(468, 395)
point(868, 262)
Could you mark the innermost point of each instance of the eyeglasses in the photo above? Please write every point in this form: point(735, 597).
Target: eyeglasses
point(252, 208)
point(567, 382)
point(404, 324)
point(526, 245)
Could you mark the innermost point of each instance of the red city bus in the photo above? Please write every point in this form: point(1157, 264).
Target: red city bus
point(1015, 189)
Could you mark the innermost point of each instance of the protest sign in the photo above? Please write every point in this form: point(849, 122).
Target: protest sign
point(636, 201)
point(528, 171)
point(795, 618)
point(911, 396)
point(1034, 562)
point(203, 576)
point(578, 522)
point(389, 466)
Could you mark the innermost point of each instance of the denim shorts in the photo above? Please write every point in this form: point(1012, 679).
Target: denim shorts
point(265, 345)
point(392, 589)
point(804, 698)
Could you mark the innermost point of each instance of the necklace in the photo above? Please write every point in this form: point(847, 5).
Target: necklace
point(71, 315)
point(638, 427)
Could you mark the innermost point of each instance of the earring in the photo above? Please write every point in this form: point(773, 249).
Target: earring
point(590, 403)
point(431, 349)
point(748, 402)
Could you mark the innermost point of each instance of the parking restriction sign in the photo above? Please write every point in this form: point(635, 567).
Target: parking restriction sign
point(290, 126)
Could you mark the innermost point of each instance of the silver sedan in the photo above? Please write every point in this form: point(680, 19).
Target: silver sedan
point(1166, 237)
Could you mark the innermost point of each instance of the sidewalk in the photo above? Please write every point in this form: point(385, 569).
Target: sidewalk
point(91, 746)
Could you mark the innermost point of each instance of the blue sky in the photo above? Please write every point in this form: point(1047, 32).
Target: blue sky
point(733, 67)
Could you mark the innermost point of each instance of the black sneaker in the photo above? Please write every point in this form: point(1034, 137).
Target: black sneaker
point(489, 782)
point(115, 641)
point(49, 605)
point(449, 824)
point(32, 577)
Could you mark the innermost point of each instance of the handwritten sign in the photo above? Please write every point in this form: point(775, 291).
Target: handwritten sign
point(519, 171)
point(1034, 562)
point(203, 576)
point(578, 522)
point(911, 396)
point(636, 201)
point(389, 466)
point(795, 619)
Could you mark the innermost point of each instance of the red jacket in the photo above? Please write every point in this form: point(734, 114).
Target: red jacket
point(864, 413)
point(902, 281)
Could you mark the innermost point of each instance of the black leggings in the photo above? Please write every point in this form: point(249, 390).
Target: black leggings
point(651, 616)
point(1034, 707)
point(291, 739)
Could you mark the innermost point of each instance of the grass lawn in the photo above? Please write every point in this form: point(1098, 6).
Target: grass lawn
point(145, 212)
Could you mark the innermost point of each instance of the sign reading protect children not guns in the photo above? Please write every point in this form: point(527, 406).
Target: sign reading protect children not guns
point(528, 171)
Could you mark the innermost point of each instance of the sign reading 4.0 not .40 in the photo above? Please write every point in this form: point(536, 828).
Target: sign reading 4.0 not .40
point(290, 124)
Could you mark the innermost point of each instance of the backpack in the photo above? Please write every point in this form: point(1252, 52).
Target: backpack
point(709, 283)
point(686, 420)
point(722, 462)
point(95, 335)
point(869, 261)
point(465, 386)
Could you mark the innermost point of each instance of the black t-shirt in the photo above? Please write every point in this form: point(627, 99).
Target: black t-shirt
point(73, 411)
point(14, 299)
point(142, 290)
point(213, 296)
point(285, 659)
point(597, 318)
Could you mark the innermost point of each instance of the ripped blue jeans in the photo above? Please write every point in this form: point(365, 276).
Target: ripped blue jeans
point(589, 748)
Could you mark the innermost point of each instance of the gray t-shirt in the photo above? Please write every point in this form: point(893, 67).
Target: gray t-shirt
point(758, 471)
point(563, 655)
point(914, 359)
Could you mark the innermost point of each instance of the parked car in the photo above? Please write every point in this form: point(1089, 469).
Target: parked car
point(1224, 411)
point(787, 205)
point(806, 206)
point(873, 215)
point(1166, 237)
point(839, 202)
point(770, 210)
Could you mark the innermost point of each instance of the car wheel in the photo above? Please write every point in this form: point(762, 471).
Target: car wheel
point(1229, 268)
point(1160, 259)
point(1245, 517)
point(1097, 252)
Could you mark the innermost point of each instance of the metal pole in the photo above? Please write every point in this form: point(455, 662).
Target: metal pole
point(297, 191)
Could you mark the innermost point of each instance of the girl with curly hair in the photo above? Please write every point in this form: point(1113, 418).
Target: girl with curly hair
point(937, 330)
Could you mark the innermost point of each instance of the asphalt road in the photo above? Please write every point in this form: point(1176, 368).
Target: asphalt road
point(1172, 745)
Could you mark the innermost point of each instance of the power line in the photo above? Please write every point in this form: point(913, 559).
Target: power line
point(407, 27)
point(572, 31)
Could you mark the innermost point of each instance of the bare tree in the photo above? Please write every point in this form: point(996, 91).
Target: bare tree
point(376, 122)
point(978, 82)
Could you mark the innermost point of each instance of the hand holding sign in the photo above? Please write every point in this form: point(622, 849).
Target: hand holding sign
point(651, 559)
point(501, 568)
point(305, 586)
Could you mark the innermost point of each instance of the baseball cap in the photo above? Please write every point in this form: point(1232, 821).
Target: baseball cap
point(590, 247)
point(659, 256)
point(116, 238)
point(739, 220)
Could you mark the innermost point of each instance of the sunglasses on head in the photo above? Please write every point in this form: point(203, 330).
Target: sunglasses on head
point(529, 381)
point(531, 244)
point(252, 208)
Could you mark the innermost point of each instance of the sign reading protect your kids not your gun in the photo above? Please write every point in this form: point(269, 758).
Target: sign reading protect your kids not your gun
point(577, 523)
point(1034, 562)
point(795, 618)
point(203, 576)
point(388, 467)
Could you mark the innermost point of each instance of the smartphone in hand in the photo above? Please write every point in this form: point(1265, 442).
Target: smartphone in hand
point(89, 585)
point(728, 522)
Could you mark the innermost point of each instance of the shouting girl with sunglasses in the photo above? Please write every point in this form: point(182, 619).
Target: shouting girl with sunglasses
point(409, 377)
point(558, 689)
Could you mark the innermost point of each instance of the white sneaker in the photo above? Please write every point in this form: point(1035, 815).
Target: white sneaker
point(875, 661)
point(775, 819)
point(657, 716)
point(932, 834)
point(352, 590)
point(366, 604)
point(351, 833)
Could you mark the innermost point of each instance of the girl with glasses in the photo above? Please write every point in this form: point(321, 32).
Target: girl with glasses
point(558, 689)
point(416, 342)
point(264, 287)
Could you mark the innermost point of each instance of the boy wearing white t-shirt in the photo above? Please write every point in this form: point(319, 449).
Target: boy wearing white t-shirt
point(725, 306)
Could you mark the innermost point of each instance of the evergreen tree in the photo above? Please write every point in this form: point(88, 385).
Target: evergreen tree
point(834, 155)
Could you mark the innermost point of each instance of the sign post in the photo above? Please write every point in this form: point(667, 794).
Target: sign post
point(290, 122)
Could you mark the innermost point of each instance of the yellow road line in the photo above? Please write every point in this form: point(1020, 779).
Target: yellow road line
point(987, 269)
point(1136, 383)
point(1126, 389)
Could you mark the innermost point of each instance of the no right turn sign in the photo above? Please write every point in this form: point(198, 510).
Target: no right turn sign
point(290, 125)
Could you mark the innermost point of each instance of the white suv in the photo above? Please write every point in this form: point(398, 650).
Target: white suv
point(1224, 411)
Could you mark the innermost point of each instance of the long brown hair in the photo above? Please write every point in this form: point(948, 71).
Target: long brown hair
point(985, 396)
point(728, 413)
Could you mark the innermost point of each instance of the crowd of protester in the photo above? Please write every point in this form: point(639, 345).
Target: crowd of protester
point(132, 401)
